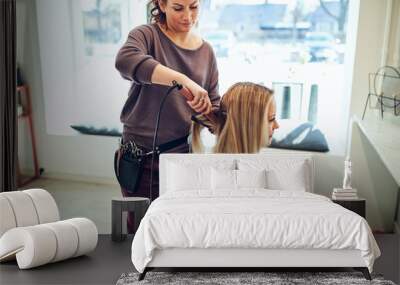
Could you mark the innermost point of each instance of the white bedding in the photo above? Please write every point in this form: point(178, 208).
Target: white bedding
point(251, 218)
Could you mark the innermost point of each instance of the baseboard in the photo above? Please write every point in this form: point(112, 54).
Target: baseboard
point(80, 178)
point(73, 177)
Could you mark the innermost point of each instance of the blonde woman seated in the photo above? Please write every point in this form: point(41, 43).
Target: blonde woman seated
point(244, 123)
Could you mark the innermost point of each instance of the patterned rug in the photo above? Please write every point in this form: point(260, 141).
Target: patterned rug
point(243, 278)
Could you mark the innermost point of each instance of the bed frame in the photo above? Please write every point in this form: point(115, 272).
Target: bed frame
point(242, 259)
point(246, 258)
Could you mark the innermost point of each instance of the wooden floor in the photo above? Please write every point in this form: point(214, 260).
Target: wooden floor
point(102, 266)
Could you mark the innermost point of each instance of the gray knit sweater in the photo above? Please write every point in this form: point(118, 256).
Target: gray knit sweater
point(145, 47)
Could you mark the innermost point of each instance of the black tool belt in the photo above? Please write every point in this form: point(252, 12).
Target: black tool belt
point(130, 158)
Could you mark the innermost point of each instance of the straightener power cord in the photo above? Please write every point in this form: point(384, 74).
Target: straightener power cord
point(189, 96)
point(154, 149)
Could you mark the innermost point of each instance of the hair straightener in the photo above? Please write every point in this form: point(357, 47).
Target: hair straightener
point(189, 96)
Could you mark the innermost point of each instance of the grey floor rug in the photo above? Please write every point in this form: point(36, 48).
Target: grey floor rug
point(231, 278)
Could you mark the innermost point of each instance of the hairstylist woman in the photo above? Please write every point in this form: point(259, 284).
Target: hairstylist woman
point(153, 57)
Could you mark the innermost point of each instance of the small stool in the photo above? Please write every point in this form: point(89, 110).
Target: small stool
point(120, 206)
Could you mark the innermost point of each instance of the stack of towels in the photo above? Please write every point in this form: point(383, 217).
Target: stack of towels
point(344, 194)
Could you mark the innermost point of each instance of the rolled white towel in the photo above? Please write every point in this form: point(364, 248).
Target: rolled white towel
point(67, 239)
point(87, 234)
point(45, 205)
point(23, 208)
point(33, 246)
point(7, 220)
point(40, 244)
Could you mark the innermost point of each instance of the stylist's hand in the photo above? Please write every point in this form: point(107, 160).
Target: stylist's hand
point(201, 102)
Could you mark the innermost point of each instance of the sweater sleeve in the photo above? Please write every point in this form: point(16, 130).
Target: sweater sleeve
point(134, 61)
point(213, 92)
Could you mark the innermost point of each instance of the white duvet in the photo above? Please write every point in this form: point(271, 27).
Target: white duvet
point(253, 218)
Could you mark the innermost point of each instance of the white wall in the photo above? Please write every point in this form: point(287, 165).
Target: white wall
point(29, 63)
point(87, 88)
point(90, 157)
point(374, 182)
point(394, 41)
point(377, 22)
point(77, 157)
point(369, 49)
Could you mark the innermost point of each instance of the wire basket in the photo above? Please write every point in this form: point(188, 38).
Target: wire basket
point(384, 91)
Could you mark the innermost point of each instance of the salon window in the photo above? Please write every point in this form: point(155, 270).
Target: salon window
point(295, 47)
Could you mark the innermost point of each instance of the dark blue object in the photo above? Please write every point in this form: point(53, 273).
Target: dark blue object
point(286, 103)
point(97, 131)
point(314, 140)
point(313, 106)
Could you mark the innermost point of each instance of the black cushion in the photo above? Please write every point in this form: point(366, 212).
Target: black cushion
point(91, 130)
point(299, 136)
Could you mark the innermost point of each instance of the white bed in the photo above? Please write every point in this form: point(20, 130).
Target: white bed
point(202, 220)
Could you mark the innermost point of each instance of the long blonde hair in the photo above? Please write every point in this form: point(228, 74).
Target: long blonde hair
point(241, 125)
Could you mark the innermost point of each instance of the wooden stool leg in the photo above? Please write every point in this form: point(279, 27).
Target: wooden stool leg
point(116, 220)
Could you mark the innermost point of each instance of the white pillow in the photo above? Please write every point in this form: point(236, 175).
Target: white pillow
point(282, 173)
point(251, 178)
point(292, 180)
point(189, 175)
point(227, 179)
point(223, 179)
point(183, 177)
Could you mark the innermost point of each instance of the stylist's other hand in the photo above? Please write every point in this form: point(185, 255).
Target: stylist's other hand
point(201, 102)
